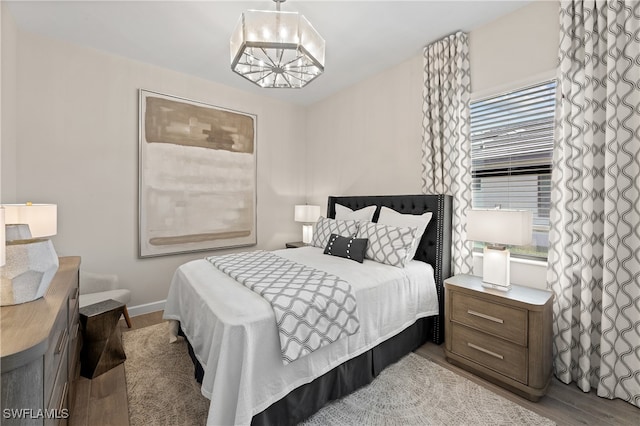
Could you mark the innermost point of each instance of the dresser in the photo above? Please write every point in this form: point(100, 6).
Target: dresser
point(40, 353)
point(505, 337)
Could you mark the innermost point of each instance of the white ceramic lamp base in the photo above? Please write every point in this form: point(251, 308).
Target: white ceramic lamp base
point(31, 265)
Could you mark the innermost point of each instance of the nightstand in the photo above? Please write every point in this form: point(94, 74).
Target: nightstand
point(505, 337)
point(296, 244)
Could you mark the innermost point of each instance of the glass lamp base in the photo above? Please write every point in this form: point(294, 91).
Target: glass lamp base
point(495, 268)
point(307, 233)
point(496, 286)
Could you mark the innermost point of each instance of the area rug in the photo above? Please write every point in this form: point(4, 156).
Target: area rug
point(161, 389)
point(414, 391)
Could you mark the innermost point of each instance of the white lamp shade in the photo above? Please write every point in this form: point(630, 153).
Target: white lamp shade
point(41, 218)
point(306, 213)
point(3, 245)
point(508, 227)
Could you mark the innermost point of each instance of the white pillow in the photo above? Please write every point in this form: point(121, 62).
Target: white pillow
point(388, 244)
point(325, 227)
point(393, 218)
point(362, 215)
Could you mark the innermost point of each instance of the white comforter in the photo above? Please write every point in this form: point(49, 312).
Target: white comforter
point(234, 335)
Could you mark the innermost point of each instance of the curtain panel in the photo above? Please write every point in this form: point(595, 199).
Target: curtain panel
point(594, 254)
point(446, 136)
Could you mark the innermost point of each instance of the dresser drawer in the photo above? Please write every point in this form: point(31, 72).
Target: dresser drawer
point(35, 350)
point(75, 345)
point(504, 357)
point(74, 333)
point(56, 353)
point(507, 322)
point(58, 400)
point(73, 304)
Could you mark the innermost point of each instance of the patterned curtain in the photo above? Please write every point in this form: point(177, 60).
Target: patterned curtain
point(446, 140)
point(594, 255)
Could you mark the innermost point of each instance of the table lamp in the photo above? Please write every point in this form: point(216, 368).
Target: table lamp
point(308, 215)
point(31, 260)
point(498, 228)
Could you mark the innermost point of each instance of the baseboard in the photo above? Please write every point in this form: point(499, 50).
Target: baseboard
point(147, 308)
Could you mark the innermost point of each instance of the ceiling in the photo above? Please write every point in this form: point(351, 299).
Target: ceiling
point(362, 37)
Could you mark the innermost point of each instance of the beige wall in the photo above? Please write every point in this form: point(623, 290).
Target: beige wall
point(366, 139)
point(77, 123)
point(8, 98)
point(74, 141)
point(515, 50)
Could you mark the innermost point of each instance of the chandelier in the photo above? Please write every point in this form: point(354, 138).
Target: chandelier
point(276, 49)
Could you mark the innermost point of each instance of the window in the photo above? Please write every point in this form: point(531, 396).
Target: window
point(511, 153)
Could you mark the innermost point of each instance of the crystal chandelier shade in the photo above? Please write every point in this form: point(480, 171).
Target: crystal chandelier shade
point(276, 49)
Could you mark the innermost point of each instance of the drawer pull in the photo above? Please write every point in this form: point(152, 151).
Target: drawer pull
point(61, 341)
point(63, 397)
point(486, 351)
point(485, 316)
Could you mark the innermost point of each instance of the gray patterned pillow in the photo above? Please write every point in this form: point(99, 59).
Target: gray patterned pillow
point(325, 227)
point(393, 218)
point(388, 244)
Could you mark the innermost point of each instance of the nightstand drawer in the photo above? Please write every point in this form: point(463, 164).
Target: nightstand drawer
point(494, 353)
point(499, 320)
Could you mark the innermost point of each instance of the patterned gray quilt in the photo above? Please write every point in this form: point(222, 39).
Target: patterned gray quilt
point(312, 308)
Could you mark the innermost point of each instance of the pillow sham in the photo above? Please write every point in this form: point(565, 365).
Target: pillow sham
point(325, 227)
point(347, 247)
point(361, 215)
point(393, 218)
point(388, 244)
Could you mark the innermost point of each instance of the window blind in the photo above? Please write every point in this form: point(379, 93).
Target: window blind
point(511, 154)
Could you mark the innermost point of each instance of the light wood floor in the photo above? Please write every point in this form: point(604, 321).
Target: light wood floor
point(103, 400)
point(564, 404)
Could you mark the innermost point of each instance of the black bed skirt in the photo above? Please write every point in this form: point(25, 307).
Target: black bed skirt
point(307, 399)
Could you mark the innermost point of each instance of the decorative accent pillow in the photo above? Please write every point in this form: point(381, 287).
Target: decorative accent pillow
point(347, 247)
point(325, 227)
point(388, 244)
point(393, 218)
point(362, 215)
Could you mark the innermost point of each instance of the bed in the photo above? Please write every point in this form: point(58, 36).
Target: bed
point(233, 340)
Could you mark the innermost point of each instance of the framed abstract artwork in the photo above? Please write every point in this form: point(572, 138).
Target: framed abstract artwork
point(197, 176)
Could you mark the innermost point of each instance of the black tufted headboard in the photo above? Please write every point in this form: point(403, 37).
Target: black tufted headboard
point(435, 246)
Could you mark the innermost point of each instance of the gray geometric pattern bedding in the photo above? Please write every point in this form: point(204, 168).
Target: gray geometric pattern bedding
point(388, 244)
point(325, 227)
point(312, 308)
